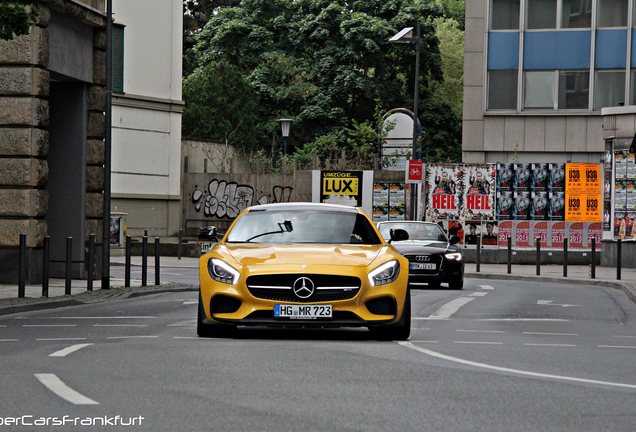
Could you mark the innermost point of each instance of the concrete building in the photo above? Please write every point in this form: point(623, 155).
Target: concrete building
point(52, 134)
point(538, 72)
point(147, 107)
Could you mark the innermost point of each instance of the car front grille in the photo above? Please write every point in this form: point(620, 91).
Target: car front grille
point(326, 288)
point(432, 259)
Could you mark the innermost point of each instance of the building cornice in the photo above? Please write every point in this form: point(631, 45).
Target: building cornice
point(147, 102)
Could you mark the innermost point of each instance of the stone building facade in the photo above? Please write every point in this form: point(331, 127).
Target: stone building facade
point(52, 127)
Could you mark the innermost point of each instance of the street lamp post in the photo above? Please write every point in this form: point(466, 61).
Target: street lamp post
point(107, 149)
point(285, 124)
point(406, 36)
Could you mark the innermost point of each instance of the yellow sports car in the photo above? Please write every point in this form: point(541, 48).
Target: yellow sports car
point(304, 264)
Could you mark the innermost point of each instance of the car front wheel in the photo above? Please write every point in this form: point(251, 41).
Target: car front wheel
point(456, 284)
point(399, 331)
point(211, 330)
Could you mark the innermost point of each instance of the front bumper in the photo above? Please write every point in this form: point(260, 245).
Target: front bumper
point(449, 270)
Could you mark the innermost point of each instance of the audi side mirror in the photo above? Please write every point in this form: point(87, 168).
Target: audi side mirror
point(398, 235)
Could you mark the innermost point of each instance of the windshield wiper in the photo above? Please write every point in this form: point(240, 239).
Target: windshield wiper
point(283, 227)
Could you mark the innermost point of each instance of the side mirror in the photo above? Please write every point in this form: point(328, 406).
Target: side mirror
point(454, 240)
point(208, 233)
point(398, 235)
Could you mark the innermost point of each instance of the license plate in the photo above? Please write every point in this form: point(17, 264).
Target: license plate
point(302, 311)
point(422, 266)
point(205, 246)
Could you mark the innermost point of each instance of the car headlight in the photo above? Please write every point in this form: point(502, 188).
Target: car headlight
point(386, 273)
point(221, 271)
point(454, 256)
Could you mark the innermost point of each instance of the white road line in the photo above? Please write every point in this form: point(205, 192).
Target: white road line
point(66, 351)
point(447, 310)
point(486, 287)
point(132, 337)
point(420, 328)
point(183, 323)
point(480, 331)
point(49, 325)
point(512, 371)
point(190, 302)
point(523, 319)
point(60, 339)
point(426, 341)
point(617, 346)
point(185, 337)
point(120, 325)
point(478, 294)
point(550, 334)
point(53, 383)
point(8, 340)
point(549, 345)
point(477, 343)
point(2, 325)
point(621, 336)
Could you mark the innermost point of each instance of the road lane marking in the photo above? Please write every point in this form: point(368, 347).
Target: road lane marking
point(53, 383)
point(185, 337)
point(512, 371)
point(549, 345)
point(477, 343)
point(449, 309)
point(617, 346)
point(486, 287)
point(426, 341)
point(552, 303)
point(8, 340)
point(2, 325)
point(132, 337)
point(524, 319)
point(183, 323)
point(60, 339)
point(120, 325)
point(620, 336)
point(66, 351)
point(478, 294)
point(550, 334)
point(190, 302)
point(49, 325)
point(480, 331)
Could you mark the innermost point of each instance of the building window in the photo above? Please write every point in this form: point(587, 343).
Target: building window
point(541, 14)
point(633, 87)
point(574, 89)
point(576, 14)
point(539, 89)
point(118, 58)
point(502, 89)
point(609, 89)
point(504, 15)
point(612, 13)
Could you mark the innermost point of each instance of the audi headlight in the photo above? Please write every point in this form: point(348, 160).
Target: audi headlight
point(386, 273)
point(454, 256)
point(222, 272)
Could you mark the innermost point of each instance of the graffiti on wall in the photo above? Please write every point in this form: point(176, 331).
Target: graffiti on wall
point(223, 199)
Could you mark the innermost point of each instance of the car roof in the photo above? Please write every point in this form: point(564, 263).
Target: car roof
point(295, 206)
point(408, 222)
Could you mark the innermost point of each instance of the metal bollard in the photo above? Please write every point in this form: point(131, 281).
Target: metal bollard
point(619, 258)
point(509, 255)
point(45, 266)
point(180, 241)
point(538, 256)
point(593, 264)
point(565, 257)
point(69, 262)
point(478, 264)
point(144, 261)
point(128, 258)
point(157, 262)
point(89, 263)
point(22, 267)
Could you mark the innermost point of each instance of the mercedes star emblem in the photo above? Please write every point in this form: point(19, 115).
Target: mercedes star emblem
point(303, 287)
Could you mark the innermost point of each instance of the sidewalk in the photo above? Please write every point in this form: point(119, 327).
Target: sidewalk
point(9, 303)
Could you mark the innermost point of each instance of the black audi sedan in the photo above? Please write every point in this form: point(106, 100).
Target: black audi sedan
point(433, 257)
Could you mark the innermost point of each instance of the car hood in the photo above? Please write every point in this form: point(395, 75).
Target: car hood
point(422, 246)
point(300, 254)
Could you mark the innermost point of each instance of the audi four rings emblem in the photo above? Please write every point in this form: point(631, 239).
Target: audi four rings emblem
point(422, 258)
point(303, 287)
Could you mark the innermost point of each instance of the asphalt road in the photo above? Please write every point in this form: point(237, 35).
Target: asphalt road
point(497, 356)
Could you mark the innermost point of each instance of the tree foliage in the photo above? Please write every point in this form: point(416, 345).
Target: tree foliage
point(15, 18)
point(329, 65)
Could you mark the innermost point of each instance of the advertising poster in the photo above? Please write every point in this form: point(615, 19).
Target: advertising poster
point(541, 233)
point(540, 177)
point(556, 210)
point(594, 231)
point(455, 228)
point(556, 180)
point(504, 231)
point(380, 214)
point(489, 236)
point(472, 232)
point(505, 205)
point(523, 176)
point(479, 190)
point(575, 235)
point(557, 235)
point(341, 187)
point(540, 205)
point(396, 213)
point(608, 179)
point(583, 192)
point(505, 177)
point(522, 237)
point(444, 189)
point(523, 205)
point(388, 201)
point(380, 194)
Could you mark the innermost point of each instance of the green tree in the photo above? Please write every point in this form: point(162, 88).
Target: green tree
point(451, 43)
point(16, 18)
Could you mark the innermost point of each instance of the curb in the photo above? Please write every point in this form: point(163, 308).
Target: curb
point(99, 296)
point(627, 288)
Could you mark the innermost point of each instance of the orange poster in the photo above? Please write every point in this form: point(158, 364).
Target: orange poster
point(583, 192)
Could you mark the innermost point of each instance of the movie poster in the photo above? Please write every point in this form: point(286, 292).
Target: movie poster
point(556, 180)
point(444, 190)
point(523, 205)
point(505, 177)
point(540, 177)
point(479, 192)
point(540, 205)
point(523, 176)
point(505, 205)
point(556, 209)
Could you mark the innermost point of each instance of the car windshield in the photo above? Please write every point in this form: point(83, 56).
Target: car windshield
point(303, 226)
point(417, 231)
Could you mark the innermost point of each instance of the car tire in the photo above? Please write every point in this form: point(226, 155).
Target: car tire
point(399, 331)
point(456, 284)
point(211, 330)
